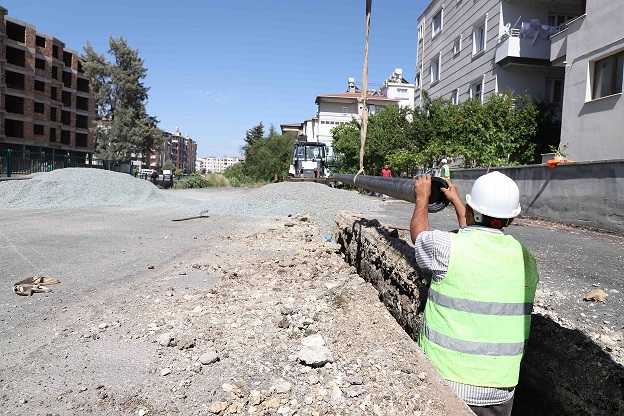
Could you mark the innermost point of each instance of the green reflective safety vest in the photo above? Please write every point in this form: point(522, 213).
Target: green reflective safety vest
point(477, 319)
point(445, 171)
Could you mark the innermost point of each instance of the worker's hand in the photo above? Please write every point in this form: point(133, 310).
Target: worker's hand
point(422, 188)
point(451, 193)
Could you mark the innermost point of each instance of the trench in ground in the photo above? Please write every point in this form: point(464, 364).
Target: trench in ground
point(564, 372)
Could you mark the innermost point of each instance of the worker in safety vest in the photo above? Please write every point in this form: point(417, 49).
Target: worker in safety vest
point(445, 171)
point(478, 314)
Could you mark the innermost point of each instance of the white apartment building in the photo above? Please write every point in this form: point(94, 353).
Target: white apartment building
point(470, 49)
point(341, 108)
point(216, 164)
point(564, 51)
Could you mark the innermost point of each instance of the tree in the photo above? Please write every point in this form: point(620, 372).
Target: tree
point(254, 134)
point(388, 132)
point(498, 133)
point(269, 156)
point(124, 127)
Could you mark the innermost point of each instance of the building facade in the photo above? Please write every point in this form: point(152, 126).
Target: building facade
point(567, 52)
point(591, 50)
point(470, 49)
point(176, 148)
point(341, 108)
point(217, 164)
point(46, 103)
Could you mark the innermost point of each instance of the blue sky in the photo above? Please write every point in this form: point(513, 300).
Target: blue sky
point(217, 68)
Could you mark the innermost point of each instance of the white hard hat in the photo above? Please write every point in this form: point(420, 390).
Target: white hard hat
point(443, 160)
point(495, 195)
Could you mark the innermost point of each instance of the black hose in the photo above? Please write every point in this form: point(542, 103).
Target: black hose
point(398, 188)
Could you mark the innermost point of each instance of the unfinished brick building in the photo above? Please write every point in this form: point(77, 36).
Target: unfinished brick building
point(46, 103)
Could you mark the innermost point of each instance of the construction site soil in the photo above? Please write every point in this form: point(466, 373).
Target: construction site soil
point(248, 309)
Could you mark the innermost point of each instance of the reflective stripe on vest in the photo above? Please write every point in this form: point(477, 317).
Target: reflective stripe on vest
point(483, 308)
point(472, 347)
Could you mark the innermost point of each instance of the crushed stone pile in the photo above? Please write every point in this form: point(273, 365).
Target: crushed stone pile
point(81, 187)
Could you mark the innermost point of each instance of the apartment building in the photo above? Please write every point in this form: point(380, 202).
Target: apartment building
point(179, 149)
point(568, 52)
point(46, 103)
point(591, 49)
point(217, 164)
point(341, 108)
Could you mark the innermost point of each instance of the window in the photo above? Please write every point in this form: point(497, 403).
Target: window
point(53, 93)
point(436, 24)
point(435, 69)
point(554, 90)
point(455, 97)
point(81, 140)
point(421, 32)
point(15, 56)
point(66, 118)
point(82, 85)
point(67, 79)
point(13, 104)
point(55, 51)
point(476, 89)
point(38, 129)
point(457, 44)
point(417, 80)
point(479, 32)
point(345, 109)
point(16, 32)
point(52, 114)
point(82, 122)
point(67, 59)
point(66, 98)
point(40, 41)
point(608, 74)
point(555, 19)
point(14, 128)
point(14, 80)
point(82, 103)
point(40, 63)
point(54, 72)
point(39, 86)
point(65, 137)
point(39, 107)
point(52, 134)
point(402, 92)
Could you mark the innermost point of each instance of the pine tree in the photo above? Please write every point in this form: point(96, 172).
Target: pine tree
point(124, 127)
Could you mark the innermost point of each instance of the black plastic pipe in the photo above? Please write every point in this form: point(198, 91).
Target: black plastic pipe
point(399, 188)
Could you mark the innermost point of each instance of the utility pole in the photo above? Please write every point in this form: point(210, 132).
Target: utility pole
point(364, 111)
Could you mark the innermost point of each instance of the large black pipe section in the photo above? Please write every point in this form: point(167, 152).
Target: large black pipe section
point(398, 188)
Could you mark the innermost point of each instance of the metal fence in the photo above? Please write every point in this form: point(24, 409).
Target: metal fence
point(15, 162)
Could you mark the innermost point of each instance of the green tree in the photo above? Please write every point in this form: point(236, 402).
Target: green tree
point(253, 135)
point(124, 127)
point(388, 132)
point(268, 156)
point(169, 165)
point(499, 132)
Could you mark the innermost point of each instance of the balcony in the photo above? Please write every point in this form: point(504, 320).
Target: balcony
point(528, 44)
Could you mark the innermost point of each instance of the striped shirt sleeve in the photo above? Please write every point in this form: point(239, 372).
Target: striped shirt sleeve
point(432, 250)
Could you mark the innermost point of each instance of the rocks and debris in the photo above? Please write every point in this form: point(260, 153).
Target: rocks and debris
point(597, 295)
point(34, 284)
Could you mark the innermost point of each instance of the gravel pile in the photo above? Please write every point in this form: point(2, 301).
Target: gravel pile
point(79, 187)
